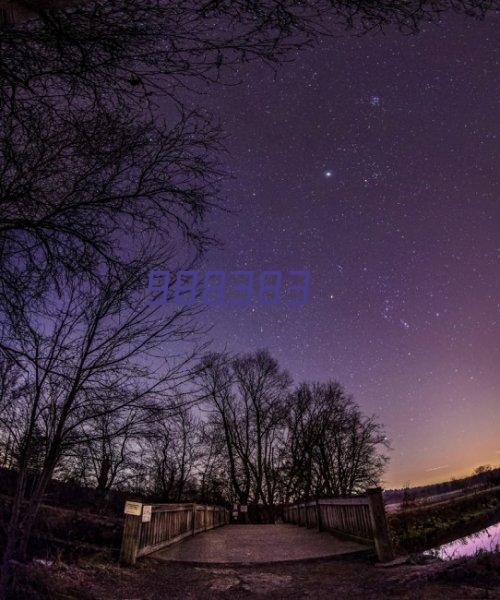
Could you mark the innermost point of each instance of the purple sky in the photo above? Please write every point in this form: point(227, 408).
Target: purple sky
point(374, 163)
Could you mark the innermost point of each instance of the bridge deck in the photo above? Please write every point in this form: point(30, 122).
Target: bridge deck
point(254, 544)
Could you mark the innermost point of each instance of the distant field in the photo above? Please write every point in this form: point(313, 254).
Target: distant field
point(425, 524)
point(433, 499)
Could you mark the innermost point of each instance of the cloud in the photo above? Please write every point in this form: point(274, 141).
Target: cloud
point(436, 468)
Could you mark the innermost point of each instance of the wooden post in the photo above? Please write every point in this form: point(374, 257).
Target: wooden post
point(194, 520)
point(383, 544)
point(205, 517)
point(318, 516)
point(130, 539)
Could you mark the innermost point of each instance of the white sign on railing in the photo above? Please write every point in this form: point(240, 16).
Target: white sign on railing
point(147, 510)
point(133, 508)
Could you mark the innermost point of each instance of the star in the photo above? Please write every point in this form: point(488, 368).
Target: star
point(375, 101)
point(328, 174)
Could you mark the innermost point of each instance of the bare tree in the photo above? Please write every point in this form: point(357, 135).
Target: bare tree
point(10, 389)
point(82, 197)
point(107, 454)
point(173, 451)
point(333, 449)
point(93, 49)
point(302, 437)
point(73, 189)
point(215, 381)
point(261, 388)
point(94, 354)
point(87, 46)
point(214, 486)
point(245, 396)
point(282, 446)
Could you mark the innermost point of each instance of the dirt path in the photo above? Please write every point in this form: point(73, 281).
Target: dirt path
point(342, 579)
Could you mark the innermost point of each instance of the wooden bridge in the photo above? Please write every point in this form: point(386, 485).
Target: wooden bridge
point(329, 528)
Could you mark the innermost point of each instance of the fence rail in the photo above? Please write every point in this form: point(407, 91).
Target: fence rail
point(151, 527)
point(361, 518)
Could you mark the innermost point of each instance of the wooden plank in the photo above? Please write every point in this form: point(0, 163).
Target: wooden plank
point(360, 518)
point(170, 510)
point(164, 544)
point(382, 538)
point(356, 501)
point(130, 539)
point(352, 537)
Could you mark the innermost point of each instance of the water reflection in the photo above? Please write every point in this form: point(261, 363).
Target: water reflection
point(486, 540)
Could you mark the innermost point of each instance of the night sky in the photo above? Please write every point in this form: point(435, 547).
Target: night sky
point(373, 163)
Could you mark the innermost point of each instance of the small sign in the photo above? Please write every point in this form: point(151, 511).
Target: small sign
point(133, 508)
point(147, 509)
point(243, 508)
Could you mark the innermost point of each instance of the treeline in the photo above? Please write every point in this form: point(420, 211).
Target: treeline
point(241, 433)
point(483, 476)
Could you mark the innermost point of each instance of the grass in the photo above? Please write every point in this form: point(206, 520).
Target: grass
point(480, 571)
point(423, 527)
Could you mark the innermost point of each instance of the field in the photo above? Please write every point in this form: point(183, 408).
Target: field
point(422, 526)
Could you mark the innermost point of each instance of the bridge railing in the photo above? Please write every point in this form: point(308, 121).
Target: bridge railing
point(361, 518)
point(151, 527)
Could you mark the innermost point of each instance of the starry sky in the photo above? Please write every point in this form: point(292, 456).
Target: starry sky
point(373, 162)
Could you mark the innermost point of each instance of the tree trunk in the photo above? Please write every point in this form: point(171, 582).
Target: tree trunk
point(11, 550)
point(102, 479)
point(35, 500)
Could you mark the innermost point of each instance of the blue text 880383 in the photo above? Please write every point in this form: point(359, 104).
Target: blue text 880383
point(236, 288)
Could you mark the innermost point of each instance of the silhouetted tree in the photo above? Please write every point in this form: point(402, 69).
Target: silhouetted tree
point(172, 455)
point(313, 442)
point(332, 448)
point(91, 357)
point(72, 189)
point(246, 398)
point(107, 454)
point(87, 46)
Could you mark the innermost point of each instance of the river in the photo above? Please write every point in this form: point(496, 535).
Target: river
point(485, 540)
